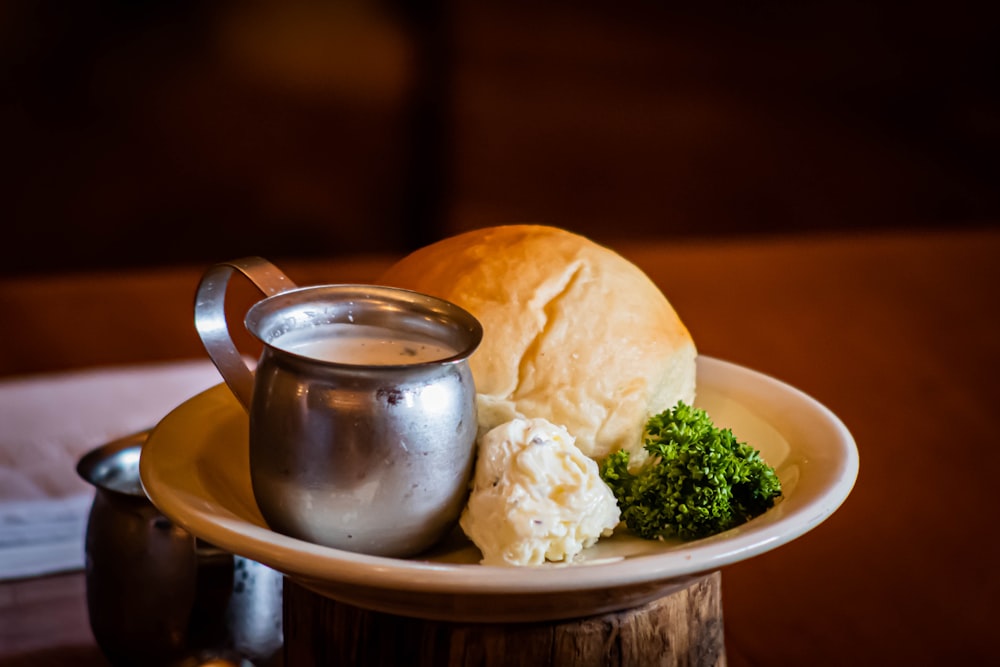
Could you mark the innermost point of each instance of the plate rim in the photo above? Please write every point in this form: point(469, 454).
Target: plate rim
point(316, 563)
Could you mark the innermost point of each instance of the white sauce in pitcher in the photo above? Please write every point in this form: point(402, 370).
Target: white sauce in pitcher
point(362, 345)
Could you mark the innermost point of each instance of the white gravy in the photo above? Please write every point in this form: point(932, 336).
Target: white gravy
point(362, 345)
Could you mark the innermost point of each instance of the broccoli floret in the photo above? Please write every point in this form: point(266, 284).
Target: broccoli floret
point(698, 481)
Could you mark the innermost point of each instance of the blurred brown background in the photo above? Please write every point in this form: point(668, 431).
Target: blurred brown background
point(152, 132)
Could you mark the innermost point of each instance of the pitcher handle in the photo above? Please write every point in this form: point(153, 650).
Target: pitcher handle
point(210, 317)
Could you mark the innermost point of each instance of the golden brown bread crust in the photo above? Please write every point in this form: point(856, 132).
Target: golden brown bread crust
point(573, 332)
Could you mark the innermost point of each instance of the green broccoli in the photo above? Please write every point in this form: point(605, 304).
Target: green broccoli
point(698, 481)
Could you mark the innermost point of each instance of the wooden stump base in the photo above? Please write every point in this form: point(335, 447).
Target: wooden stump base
point(683, 628)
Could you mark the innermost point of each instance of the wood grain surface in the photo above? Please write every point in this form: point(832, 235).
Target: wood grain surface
point(683, 628)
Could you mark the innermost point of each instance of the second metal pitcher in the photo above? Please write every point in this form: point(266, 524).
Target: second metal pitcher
point(156, 594)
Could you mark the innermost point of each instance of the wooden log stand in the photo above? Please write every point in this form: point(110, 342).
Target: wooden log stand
point(683, 628)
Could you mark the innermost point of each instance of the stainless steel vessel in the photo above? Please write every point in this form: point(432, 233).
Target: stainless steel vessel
point(366, 457)
point(156, 595)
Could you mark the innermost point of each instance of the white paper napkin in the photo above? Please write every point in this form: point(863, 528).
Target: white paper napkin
point(47, 423)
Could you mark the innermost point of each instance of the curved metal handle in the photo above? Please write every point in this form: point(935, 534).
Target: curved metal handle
point(210, 317)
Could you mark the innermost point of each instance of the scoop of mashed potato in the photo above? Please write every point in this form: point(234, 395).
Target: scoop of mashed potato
point(535, 497)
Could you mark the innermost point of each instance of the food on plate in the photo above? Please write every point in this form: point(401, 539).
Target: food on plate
point(573, 332)
point(535, 496)
point(697, 481)
point(583, 379)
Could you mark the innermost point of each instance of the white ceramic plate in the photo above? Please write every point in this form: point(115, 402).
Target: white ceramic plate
point(195, 469)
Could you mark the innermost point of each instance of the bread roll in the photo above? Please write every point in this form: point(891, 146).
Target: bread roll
point(573, 332)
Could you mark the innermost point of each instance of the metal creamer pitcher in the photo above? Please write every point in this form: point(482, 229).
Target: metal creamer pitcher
point(361, 407)
point(157, 595)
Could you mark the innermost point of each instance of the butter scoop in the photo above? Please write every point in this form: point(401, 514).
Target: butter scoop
point(535, 497)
